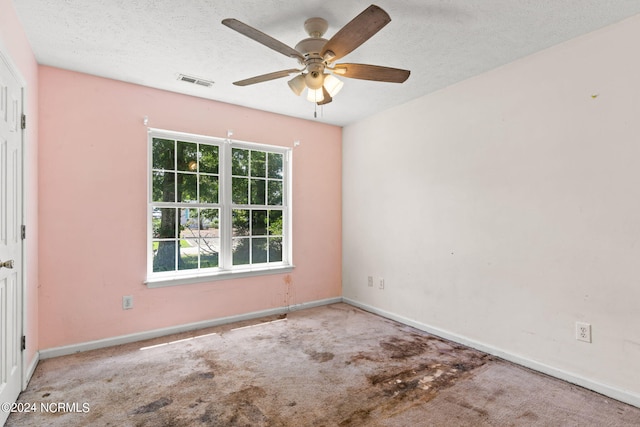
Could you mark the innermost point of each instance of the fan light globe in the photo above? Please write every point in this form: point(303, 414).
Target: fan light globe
point(297, 84)
point(332, 85)
point(315, 95)
point(314, 80)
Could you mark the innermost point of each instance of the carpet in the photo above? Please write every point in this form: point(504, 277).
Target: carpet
point(334, 365)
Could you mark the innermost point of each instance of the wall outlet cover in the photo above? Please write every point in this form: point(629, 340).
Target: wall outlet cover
point(127, 302)
point(583, 331)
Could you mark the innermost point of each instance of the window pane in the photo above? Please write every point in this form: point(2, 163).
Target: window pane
point(275, 223)
point(209, 238)
point(240, 190)
point(163, 186)
point(275, 249)
point(208, 189)
point(164, 223)
point(188, 254)
point(187, 156)
point(241, 251)
point(162, 154)
point(258, 223)
point(189, 223)
point(258, 163)
point(275, 193)
point(209, 250)
point(239, 162)
point(208, 158)
point(258, 187)
point(275, 165)
point(209, 223)
point(187, 187)
point(164, 255)
point(240, 218)
point(258, 250)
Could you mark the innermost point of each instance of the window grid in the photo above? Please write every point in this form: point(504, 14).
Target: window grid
point(185, 183)
point(262, 244)
point(191, 195)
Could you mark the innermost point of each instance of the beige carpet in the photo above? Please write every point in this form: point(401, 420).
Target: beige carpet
point(328, 366)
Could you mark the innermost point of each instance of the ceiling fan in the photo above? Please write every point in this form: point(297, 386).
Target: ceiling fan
point(318, 55)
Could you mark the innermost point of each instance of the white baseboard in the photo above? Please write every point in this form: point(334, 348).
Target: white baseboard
point(612, 392)
point(141, 336)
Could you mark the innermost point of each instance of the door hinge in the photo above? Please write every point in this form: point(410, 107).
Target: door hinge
point(23, 232)
point(23, 121)
point(24, 343)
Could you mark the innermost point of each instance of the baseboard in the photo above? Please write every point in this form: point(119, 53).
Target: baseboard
point(141, 336)
point(30, 370)
point(612, 392)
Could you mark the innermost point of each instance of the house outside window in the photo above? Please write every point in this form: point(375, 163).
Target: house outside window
point(217, 208)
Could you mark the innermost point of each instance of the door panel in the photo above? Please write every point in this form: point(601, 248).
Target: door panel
point(10, 236)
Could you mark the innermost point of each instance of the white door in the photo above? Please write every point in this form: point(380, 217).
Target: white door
point(10, 236)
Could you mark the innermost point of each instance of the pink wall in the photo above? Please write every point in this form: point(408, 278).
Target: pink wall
point(15, 44)
point(93, 182)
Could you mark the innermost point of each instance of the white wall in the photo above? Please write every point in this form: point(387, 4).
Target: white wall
point(503, 209)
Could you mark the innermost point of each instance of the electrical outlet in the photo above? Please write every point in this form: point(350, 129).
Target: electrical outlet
point(370, 281)
point(381, 283)
point(583, 331)
point(127, 302)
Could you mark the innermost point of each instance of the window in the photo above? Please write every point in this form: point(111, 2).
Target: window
point(216, 208)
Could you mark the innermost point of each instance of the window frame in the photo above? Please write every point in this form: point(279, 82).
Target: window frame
point(225, 270)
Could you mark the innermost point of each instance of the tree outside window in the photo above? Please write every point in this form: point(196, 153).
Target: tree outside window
point(189, 205)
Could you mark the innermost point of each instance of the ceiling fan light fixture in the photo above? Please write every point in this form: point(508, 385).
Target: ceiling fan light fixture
point(315, 95)
point(314, 79)
point(297, 84)
point(332, 84)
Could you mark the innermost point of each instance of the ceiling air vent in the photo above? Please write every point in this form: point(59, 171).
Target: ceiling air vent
point(195, 80)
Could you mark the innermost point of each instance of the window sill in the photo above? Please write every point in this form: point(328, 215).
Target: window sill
point(175, 280)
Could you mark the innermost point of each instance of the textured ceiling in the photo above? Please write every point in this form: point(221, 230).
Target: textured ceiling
point(151, 42)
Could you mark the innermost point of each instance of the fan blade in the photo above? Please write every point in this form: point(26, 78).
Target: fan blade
point(266, 77)
point(326, 97)
point(372, 72)
point(262, 38)
point(356, 32)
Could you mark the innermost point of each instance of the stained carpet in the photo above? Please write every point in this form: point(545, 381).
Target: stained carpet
point(328, 366)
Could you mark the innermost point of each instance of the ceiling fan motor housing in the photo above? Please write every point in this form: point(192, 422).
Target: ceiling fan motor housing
point(311, 47)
